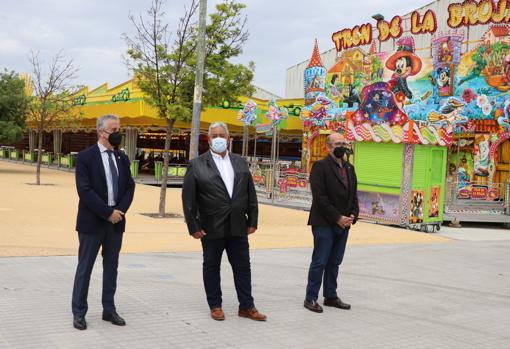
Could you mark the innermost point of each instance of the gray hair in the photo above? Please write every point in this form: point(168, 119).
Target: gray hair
point(102, 120)
point(217, 124)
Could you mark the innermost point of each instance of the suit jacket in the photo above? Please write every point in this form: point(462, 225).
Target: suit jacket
point(207, 205)
point(330, 198)
point(93, 209)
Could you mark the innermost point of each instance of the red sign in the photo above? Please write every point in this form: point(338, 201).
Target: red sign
point(283, 186)
point(292, 181)
point(493, 194)
point(258, 179)
point(464, 194)
point(479, 192)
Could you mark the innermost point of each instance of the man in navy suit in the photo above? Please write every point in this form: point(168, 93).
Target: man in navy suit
point(106, 189)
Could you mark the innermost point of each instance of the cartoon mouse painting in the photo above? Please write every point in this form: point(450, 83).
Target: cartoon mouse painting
point(404, 63)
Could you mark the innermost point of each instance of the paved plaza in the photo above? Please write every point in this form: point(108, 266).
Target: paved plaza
point(451, 295)
point(408, 289)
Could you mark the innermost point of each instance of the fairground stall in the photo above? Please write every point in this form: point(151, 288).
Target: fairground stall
point(425, 99)
point(145, 132)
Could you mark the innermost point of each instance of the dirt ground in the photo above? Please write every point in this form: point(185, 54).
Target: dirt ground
point(40, 220)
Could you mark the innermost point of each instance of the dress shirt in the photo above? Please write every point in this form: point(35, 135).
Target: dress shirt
point(226, 171)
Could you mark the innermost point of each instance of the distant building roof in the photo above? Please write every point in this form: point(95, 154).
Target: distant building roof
point(264, 94)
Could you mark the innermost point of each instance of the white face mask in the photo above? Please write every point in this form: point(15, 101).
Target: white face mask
point(219, 145)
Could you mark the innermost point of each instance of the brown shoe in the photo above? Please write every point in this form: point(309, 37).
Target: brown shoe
point(313, 306)
point(217, 314)
point(252, 314)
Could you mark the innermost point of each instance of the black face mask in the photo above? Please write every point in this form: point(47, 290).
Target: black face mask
point(115, 138)
point(339, 152)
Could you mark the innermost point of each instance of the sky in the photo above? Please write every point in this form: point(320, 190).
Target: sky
point(90, 32)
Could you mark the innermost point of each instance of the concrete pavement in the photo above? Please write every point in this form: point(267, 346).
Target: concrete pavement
point(452, 295)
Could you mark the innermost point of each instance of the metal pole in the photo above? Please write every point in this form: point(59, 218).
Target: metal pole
point(273, 165)
point(245, 141)
point(277, 147)
point(199, 81)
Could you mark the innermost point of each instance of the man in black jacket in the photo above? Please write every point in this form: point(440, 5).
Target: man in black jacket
point(334, 209)
point(220, 207)
point(106, 189)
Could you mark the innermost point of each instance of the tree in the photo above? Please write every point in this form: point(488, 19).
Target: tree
point(50, 106)
point(164, 69)
point(13, 107)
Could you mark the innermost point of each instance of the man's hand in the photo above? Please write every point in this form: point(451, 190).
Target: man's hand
point(344, 222)
point(115, 217)
point(353, 217)
point(251, 230)
point(199, 234)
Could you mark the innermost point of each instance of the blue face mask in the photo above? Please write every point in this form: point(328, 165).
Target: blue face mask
point(219, 145)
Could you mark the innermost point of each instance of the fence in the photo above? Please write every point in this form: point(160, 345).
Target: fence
point(65, 161)
point(495, 196)
point(289, 185)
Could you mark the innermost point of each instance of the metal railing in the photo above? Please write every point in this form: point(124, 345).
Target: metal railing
point(494, 196)
point(282, 185)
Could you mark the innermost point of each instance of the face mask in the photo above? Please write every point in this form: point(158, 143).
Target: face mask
point(219, 145)
point(339, 152)
point(115, 138)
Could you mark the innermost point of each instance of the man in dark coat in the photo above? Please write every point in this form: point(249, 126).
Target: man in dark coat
point(106, 189)
point(220, 207)
point(334, 210)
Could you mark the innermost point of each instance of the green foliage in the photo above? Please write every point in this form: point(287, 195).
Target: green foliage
point(13, 107)
point(169, 84)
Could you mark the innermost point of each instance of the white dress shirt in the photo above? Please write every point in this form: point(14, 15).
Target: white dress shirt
point(226, 171)
point(108, 173)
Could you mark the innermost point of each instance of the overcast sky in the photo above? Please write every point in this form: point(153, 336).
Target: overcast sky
point(89, 31)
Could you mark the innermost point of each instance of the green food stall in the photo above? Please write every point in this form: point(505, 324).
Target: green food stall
point(401, 184)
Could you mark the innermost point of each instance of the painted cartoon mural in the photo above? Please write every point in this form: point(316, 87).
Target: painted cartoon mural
point(453, 90)
point(405, 98)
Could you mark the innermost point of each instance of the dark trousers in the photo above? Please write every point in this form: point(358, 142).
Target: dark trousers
point(239, 257)
point(328, 253)
point(111, 242)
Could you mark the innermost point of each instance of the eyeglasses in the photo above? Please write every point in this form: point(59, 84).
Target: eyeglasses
point(342, 144)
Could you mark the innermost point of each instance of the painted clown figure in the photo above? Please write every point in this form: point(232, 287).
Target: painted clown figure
point(403, 63)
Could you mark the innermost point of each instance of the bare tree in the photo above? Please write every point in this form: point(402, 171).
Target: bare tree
point(50, 106)
point(159, 66)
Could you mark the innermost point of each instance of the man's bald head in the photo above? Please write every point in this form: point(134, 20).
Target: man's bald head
point(336, 140)
point(335, 137)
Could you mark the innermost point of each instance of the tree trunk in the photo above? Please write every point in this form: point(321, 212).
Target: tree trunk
point(39, 157)
point(164, 176)
point(199, 81)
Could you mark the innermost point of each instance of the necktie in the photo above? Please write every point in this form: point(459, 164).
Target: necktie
point(115, 175)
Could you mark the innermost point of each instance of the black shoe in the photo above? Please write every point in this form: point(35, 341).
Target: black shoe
point(313, 306)
point(114, 318)
point(79, 322)
point(337, 303)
